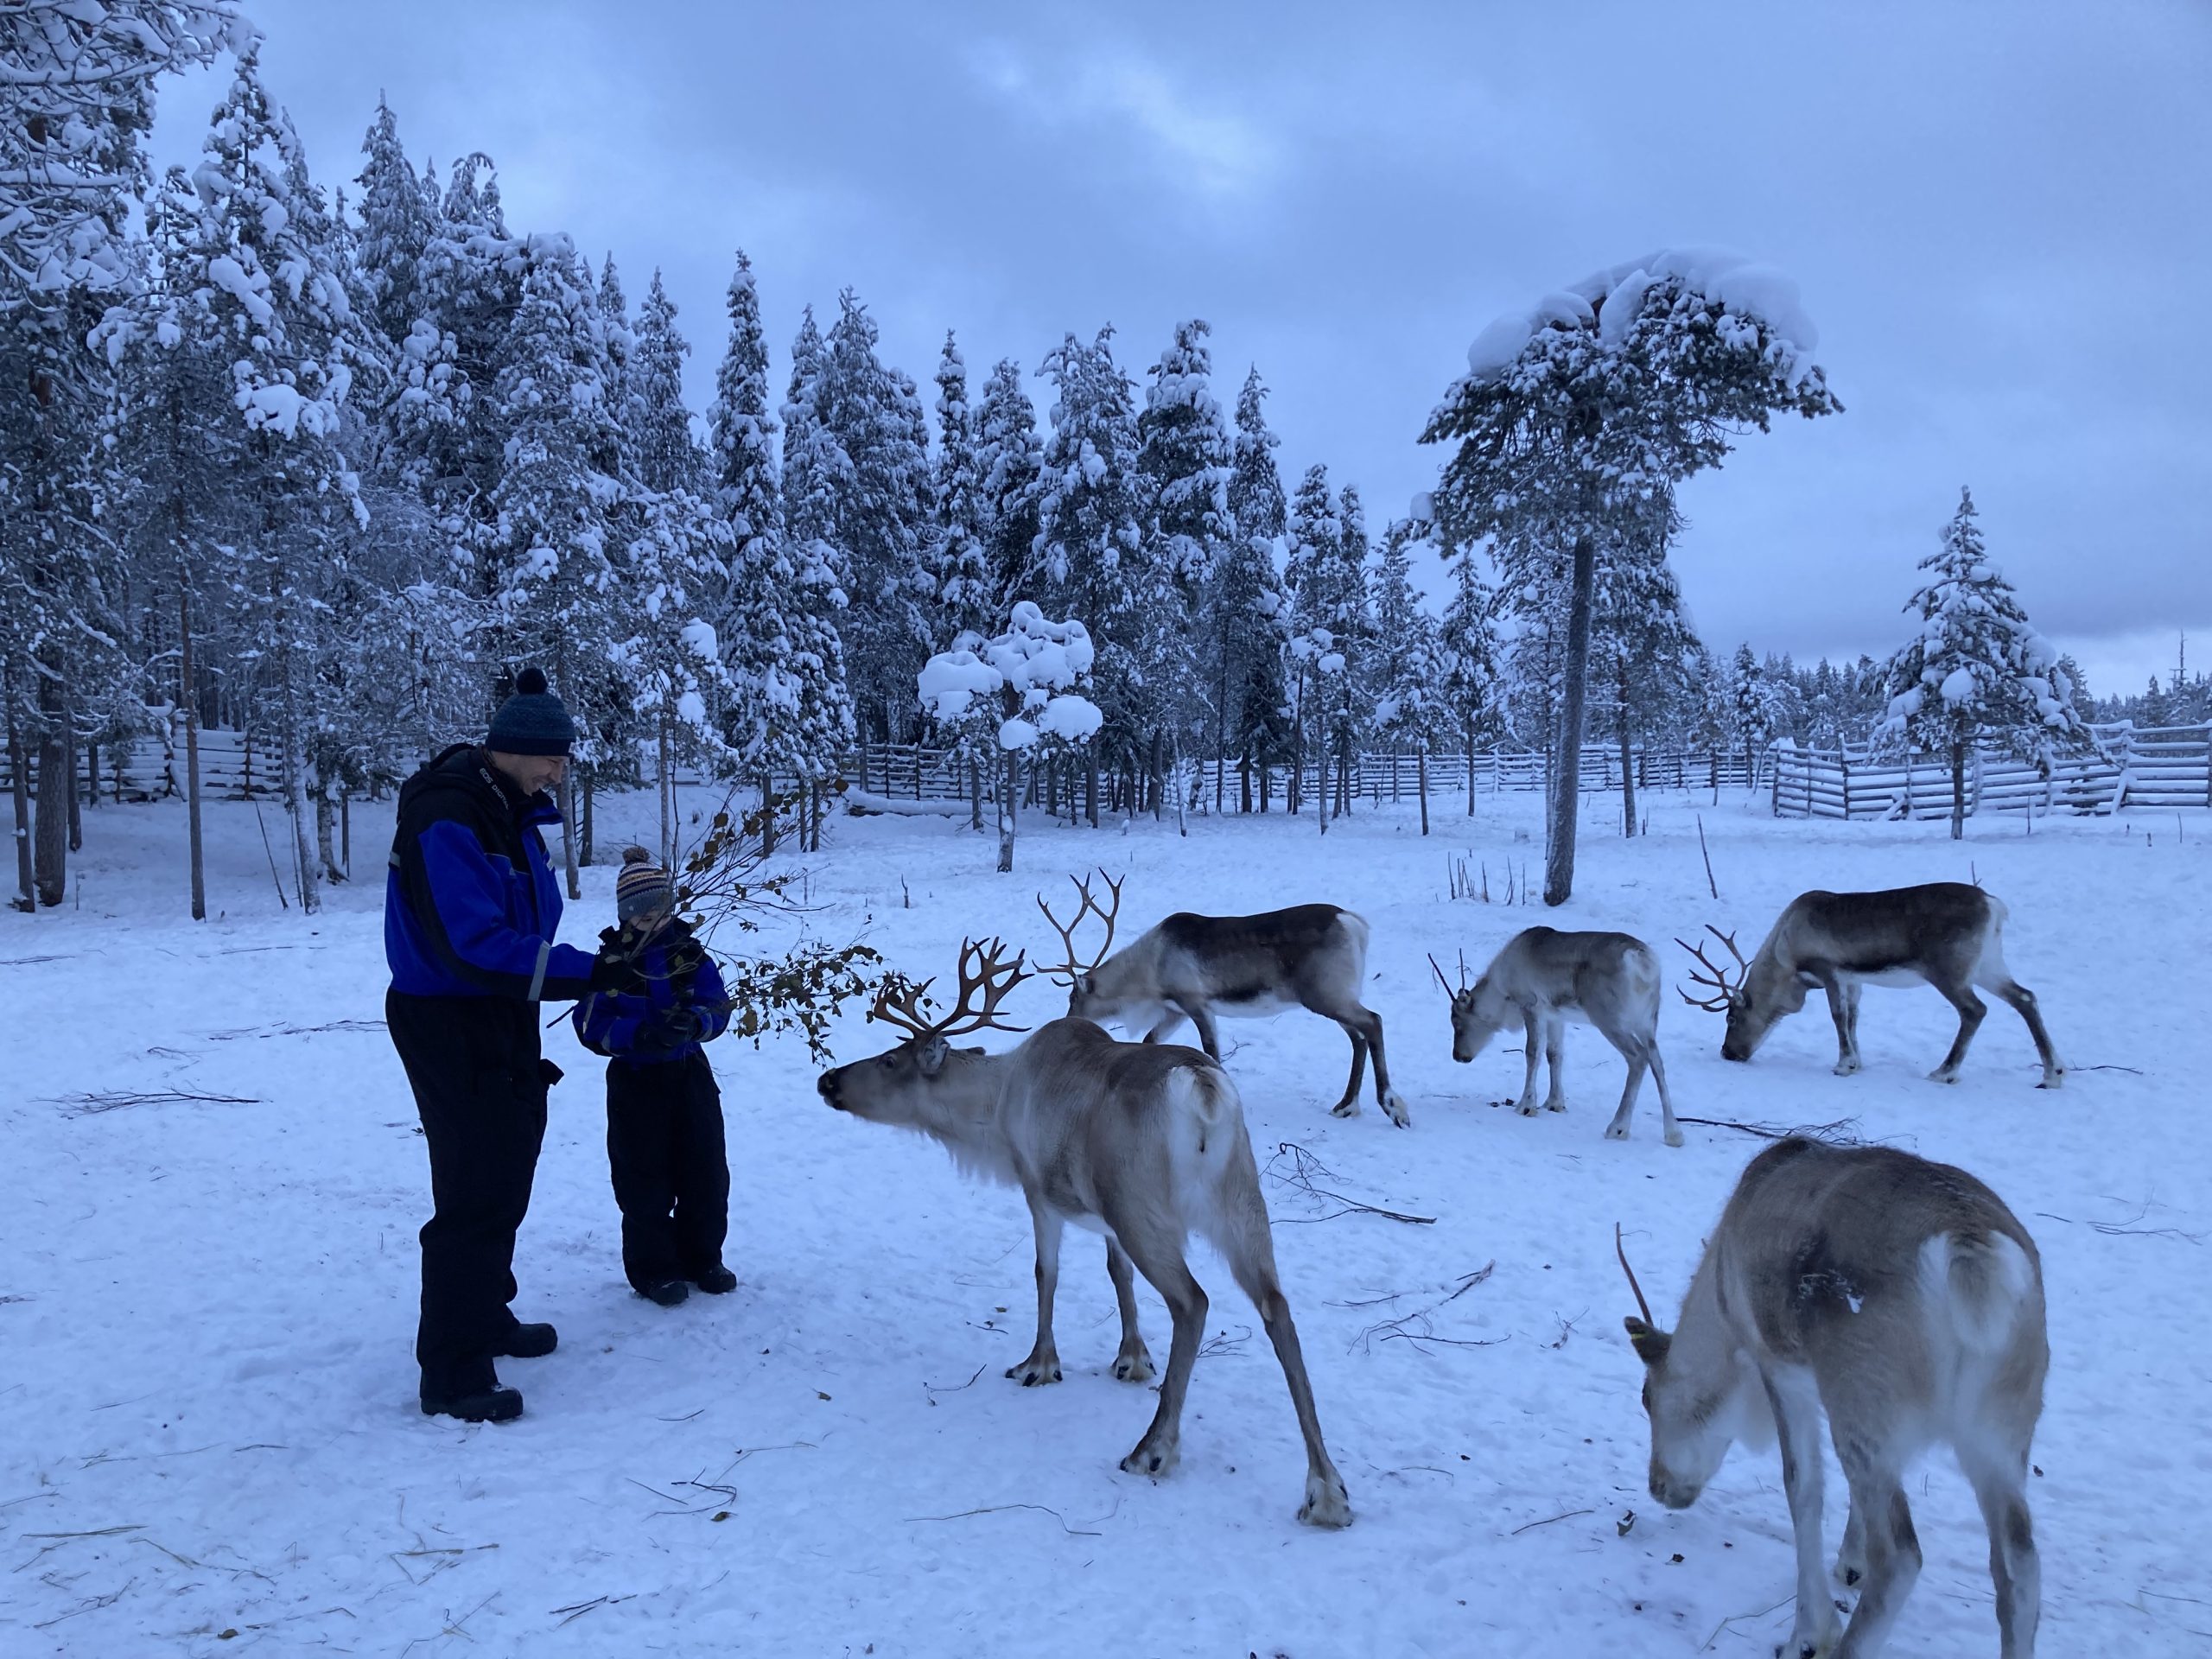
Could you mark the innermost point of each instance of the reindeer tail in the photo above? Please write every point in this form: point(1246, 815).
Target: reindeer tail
point(1977, 1284)
point(1211, 1106)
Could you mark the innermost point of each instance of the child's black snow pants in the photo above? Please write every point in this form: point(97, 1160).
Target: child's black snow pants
point(665, 1150)
point(479, 1086)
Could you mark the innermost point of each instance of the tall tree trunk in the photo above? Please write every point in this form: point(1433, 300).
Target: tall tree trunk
point(1091, 786)
point(588, 787)
point(1471, 766)
point(325, 826)
point(1566, 787)
point(1421, 762)
point(1009, 800)
point(76, 800)
point(50, 831)
point(768, 815)
point(1958, 790)
point(1244, 785)
point(188, 706)
point(19, 775)
point(975, 795)
point(667, 797)
point(1628, 774)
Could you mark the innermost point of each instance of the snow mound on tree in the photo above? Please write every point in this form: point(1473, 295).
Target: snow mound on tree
point(1614, 297)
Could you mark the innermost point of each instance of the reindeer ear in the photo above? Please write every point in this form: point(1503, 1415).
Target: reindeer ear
point(1650, 1345)
point(931, 1056)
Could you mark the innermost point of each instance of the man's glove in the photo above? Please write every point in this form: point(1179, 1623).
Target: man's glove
point(608, 973)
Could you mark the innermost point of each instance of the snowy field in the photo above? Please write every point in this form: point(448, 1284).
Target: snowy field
point(208, 1435)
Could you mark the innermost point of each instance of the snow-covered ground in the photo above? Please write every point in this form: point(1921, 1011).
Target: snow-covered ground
point(208, 1435)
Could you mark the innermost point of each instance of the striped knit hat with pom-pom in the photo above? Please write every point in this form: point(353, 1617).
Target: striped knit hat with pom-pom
point(643, 888)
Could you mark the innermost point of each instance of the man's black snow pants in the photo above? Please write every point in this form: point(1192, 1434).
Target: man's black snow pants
point(479, 1086)
point(665, 1150)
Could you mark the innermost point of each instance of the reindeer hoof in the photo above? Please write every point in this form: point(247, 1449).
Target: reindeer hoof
point(1133, 1368)
point(1394, 1106)
point(1345, 1109)
point(1034, 1372)
point(2053, 1079)
point(1554, 1105)
point(1939, 1075)
point(1526, 1108)
point(1616, 1131)
point(1846, 1068)
point(1325, 1504)
point(1158, 1462)
point(1673, 1137)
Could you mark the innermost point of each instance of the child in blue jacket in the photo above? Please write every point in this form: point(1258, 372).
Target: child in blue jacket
point(664, 1144)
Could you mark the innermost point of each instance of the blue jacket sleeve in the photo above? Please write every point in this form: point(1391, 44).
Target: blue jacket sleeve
point(607, 1022)
point(709, 995)
point(468, 916)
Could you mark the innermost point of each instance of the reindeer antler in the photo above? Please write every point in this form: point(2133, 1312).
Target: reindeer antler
point(1446, 984)
point(1715, 975)
point(984, 971)
point(1642, 1306)
point(1072, 970)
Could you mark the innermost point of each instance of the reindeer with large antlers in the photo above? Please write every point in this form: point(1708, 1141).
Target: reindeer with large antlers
point(1903, 1299)
point(1945, 934)
point(1197, 967)
point(1145, 1144)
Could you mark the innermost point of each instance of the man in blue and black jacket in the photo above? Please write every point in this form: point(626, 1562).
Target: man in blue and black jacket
point(470, 908)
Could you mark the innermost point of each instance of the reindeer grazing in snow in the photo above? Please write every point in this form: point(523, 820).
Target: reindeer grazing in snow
point(1198, 967)
point(1904, 1298)
point(1946, 933)
point(1543, 978)
point(1145, 1144)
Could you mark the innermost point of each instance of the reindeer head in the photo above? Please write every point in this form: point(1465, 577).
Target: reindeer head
point(1699, 1397)
point(1478, 1012)
point(1086, 999)
point(1749, 1021)
point(901, 1085)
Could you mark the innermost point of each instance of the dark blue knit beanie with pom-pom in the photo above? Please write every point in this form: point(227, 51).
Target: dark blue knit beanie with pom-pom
point(532, 720)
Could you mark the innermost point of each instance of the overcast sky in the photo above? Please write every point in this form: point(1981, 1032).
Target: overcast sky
point(1997, 216)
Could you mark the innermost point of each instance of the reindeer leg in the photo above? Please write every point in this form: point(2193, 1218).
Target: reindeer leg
point(1999, 1483)
point(1392, 1103)
point(1043, 1364)
point(1158, 1255)
point(2023, 1003)
point(1843, 1009)
point(1165, 1024)
point(1349, 1106)
point(1555, 1053)
point(1671, 1131)
point(1239, 1230)
point(1134, 1363)
point(1795, 1400)
point(1892, 1552)
point(1532, 1047)
point(1971, 1011)
point(1209, 1039)
point(1632, 1050)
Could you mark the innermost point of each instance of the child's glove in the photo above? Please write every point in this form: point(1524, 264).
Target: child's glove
point(671, 1029)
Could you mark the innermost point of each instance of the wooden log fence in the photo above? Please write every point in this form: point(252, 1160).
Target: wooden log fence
point(2160, 767)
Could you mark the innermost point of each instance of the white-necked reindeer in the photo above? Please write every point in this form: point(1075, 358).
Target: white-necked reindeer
point(1904, 1298)
point(1945, 933)
point(1543, 978)
point(1234, 967)
point(1145, 1144)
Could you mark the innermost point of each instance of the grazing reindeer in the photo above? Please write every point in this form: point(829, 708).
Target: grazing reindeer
point(1146, 1145)
point(1947, 934)
point(1542, 979)
point(1905, 1299)
point(1239, 967)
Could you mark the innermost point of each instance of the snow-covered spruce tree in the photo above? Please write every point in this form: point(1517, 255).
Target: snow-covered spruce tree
point(1017, 698)
point(396, 230)
point(1641, 641)
point(1977, 671)
point(1327, 576)
point(1413, 708)
point(557, 597)
point(1468, 635)
point(1249, 611)
point(653, 413)
point(963, 593)
point(80, 83)
point(260, 246)
point(1091, 546)
point(1750, 711)
point(878, 514)
point(1009, 457)
point(1633, 380)
point(1185, 461)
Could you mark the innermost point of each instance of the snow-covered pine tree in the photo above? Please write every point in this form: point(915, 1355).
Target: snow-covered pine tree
point(879, 516)
point(1977, 671)
point(1468, 690)
point(1249, 609)
point(1587, 405)
point(261, 245)
point(1751, 704)
point(1412, 667)
point(1640, 644)
point(1009, 457)
point(80, 95)
point(1091, 546)
point(653, 412)
point(557, 603)
point(964, 594)
point(396, 226)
